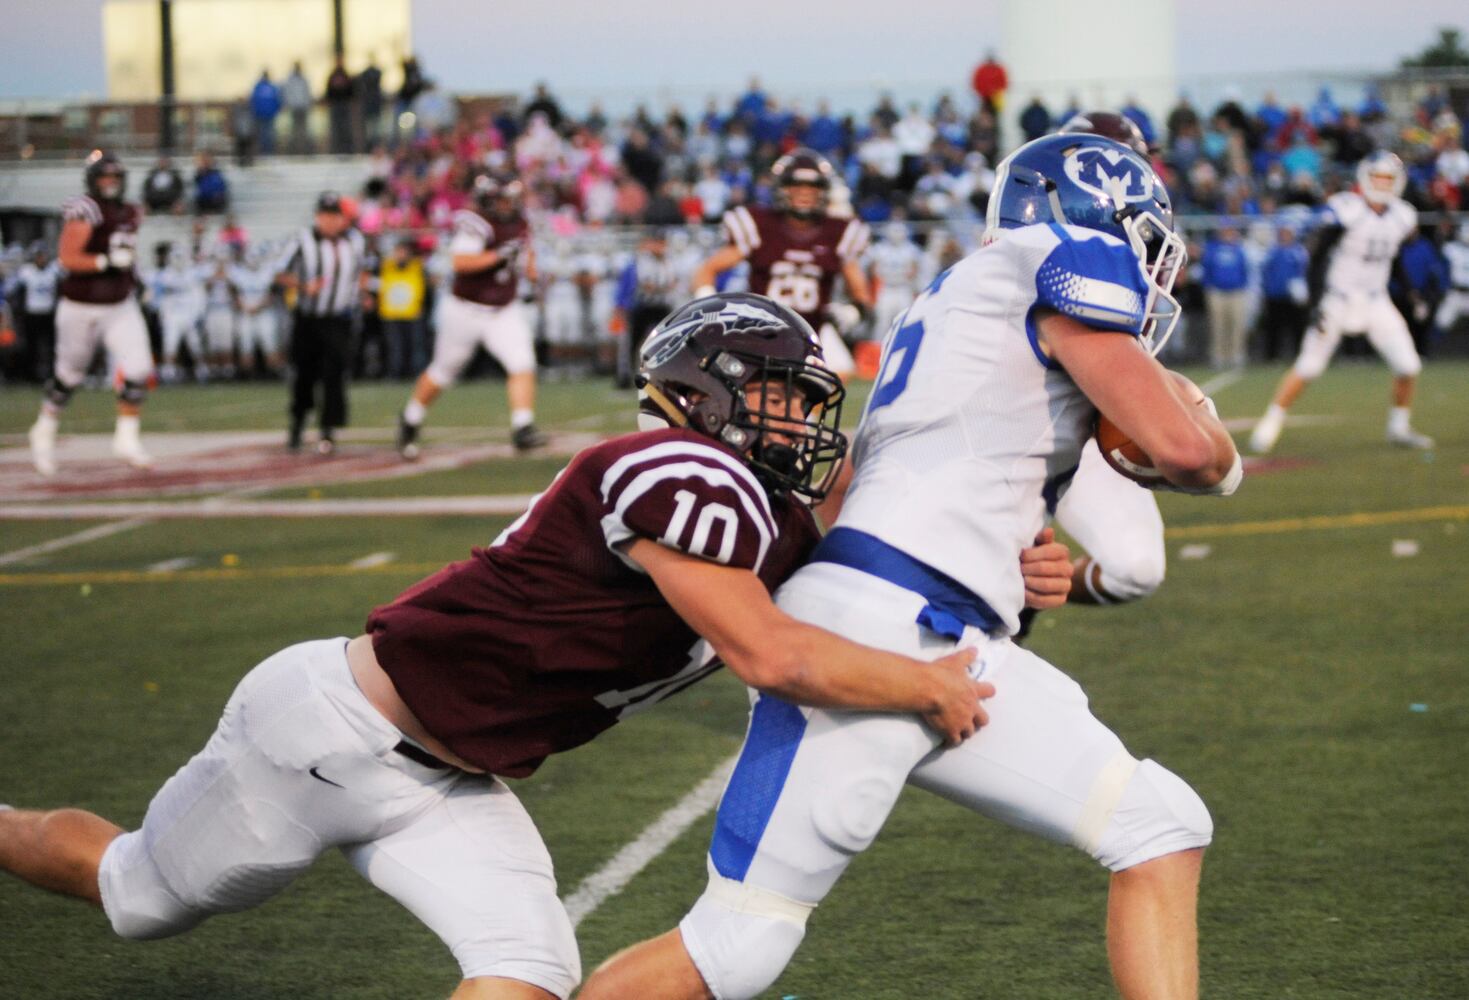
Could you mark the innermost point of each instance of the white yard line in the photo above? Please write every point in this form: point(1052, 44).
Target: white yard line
point(67, 541)
point(614, 876)
point(1221, 382)
point(172, 565)
point(227, 506)
point(373, 559)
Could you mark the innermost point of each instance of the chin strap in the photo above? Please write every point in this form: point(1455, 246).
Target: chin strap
point(675, 415)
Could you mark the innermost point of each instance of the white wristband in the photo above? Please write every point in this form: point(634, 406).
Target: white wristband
point(101, 262)
point(703, 291)
point(1231, 480)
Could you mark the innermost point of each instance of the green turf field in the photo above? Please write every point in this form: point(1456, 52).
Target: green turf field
point(1312, 685)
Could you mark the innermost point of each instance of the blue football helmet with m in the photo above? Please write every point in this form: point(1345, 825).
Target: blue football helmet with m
point(1097, 183)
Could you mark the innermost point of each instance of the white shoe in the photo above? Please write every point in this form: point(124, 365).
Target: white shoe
point(1407, 437)
point(130, 450)
point(1266, 433)
point(43, 448)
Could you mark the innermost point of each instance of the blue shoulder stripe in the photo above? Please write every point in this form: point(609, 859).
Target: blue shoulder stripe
point(1095, 281)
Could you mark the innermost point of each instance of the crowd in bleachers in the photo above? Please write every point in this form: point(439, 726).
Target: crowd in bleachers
point(1244, 181)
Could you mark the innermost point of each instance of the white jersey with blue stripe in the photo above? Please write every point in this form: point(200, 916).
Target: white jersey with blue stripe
point(972, 433)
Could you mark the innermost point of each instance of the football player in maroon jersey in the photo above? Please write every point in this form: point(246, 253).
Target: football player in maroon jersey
point(647, 562)
point(490, 247)
point(796, 250)
point(98, 306)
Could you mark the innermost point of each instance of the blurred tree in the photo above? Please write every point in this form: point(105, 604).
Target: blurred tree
point(1446, 51)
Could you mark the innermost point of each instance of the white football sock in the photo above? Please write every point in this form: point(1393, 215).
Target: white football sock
point(521, 418)
point(414, 413)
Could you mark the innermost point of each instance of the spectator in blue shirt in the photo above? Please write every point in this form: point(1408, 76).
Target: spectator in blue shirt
point(751, 104)
point(1144, 122)
point(1420, 282)
point(1283, 285)
point(1226, 296)
point(1272, 118)
point(1324, 113)
point(1035, 120)
point(1372, 104)
point(265, 104)
point(824, 132)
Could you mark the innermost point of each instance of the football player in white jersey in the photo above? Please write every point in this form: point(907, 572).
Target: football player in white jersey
point(989, 386)
point(177, 290)
point(894, 262)
point(562, 316)
point(1456, 302)
point(253, 278)
point(1355, 256)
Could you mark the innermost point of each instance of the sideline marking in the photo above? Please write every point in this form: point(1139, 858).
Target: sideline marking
point(67, 541)
point(623, 866)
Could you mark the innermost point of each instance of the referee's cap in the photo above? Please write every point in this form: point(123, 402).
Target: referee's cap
point(330, 201)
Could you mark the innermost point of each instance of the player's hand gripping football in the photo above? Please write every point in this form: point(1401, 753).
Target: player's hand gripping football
point(958, 711)
point(1046, 568)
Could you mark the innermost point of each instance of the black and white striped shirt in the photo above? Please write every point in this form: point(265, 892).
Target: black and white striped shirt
point(338, 261)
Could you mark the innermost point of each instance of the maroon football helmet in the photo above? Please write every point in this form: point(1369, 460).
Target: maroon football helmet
point(1108, 125)
point(106, 178)
point(802, 167)
point(698, 363)
point(497, 198)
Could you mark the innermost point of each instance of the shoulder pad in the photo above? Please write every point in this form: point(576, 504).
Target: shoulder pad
point(1095, 279)
point(684, 491)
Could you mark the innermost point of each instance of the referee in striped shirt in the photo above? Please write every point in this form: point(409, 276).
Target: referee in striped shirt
point(324, 264)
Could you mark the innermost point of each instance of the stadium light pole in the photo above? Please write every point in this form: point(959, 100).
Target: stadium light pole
point(339, 47)
point(165, 103)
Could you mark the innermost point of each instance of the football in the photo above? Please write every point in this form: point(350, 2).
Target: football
point(1124, 455)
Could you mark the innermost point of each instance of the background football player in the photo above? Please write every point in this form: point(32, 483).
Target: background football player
point(990, 385)
point(257, 324)
point(796, 250)
point(645, 564)
point(1349, 276)
point(98, 306)
point(177, 290)
point(1456, 302)
point(895, 261)
point(489, 250)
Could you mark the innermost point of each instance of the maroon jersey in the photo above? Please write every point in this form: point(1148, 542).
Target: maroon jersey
point(795, 266)
point(114, 225)
point(475, 233)
point(550, 635)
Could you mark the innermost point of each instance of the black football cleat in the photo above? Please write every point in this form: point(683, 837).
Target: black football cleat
point(293, 437)
point(528, 437)
point(407, 440)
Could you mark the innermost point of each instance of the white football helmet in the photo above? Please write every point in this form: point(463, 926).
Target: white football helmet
point(1381, 177)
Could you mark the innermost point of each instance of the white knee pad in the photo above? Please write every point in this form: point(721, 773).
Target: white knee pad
point(1136, 576)
point(1157, 813)
point(741, 937)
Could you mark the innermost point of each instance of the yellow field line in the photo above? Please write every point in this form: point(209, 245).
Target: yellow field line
point(219, 573)
point(1285, 525)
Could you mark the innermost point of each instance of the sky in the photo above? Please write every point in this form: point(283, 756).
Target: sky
point(629, 50)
